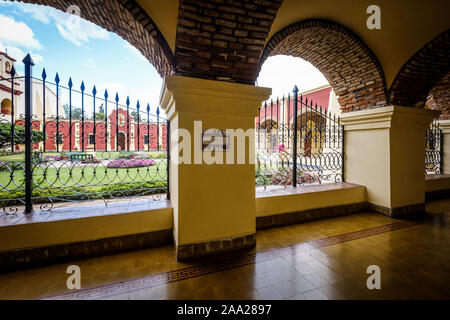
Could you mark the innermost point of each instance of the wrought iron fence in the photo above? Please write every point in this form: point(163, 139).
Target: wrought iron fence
point(314, 137)
point(433, 151)
point(66, 144)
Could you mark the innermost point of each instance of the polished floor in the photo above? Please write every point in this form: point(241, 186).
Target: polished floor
point(319, 260)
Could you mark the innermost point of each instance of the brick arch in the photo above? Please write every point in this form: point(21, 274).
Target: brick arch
point(127, 19)
point(344, 59)
point(422, 72)
point(223, 39)
point(439, 97)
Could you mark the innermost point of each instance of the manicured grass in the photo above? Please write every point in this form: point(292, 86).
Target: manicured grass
point(78, 175)
point(76, 180)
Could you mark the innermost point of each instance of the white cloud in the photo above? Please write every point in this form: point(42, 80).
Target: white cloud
point(91, 64)
point(18, 54)
point(282, 73)
point(36, 12)
point(17, 33)
point(71, 27)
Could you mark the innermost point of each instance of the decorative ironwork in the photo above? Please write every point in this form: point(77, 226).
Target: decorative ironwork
point(315, 139)
point(433, 152)
point(72, 149)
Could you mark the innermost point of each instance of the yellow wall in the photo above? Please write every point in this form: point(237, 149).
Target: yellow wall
point(268, 204)
point(437, 183)
point(212, 202)
point(165, 15)
point(385, 151)
point(445, 145)
point(33, 235)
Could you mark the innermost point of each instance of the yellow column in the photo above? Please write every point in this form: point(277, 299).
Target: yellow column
point(213, 204)
point(385, 151)
point(445, 145)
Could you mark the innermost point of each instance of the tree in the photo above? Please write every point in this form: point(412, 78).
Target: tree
point(98, 116)
point(76, 112)
point(19, 135)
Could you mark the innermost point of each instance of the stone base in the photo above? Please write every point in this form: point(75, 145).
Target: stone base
point(411, 211)
point(197, 250)
point(21, 259)
point(308, 215)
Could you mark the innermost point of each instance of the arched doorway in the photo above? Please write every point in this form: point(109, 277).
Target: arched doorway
point(121, 138)
point(6, 107)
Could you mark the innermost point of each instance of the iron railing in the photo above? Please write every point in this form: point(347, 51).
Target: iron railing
point(55, 152)
point(433, 149)
point(315, 140)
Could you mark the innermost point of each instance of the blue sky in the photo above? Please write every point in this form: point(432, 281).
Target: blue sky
point(87, 53)
point(90, 53)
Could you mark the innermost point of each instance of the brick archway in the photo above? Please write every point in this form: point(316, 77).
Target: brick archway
point(344, 59)
point(439, 97)
point(127, 19)
point(222, 40)
point(424, 74)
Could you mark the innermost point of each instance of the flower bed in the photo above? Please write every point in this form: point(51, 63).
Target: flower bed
point(55, 158)
point(131, 163)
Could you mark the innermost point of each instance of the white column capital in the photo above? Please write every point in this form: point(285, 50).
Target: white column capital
point(444, 125)
point(202, 96)
point(387, 117)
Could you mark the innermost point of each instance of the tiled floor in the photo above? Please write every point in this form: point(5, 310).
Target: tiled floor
point(318, 260)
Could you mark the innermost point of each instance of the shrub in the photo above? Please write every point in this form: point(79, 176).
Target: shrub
point(284, 177)
point(19, 135)
point(6, 166)
point(131, 163)
point(263, 178)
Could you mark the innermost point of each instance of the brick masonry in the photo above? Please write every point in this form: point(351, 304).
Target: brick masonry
point(226, 40)
point(197, 250)
point(128, 20)
point(223, 39)
point(439, 97)
point(348, 64)
point(422, 73)
point(410, 211)
point(34, 257)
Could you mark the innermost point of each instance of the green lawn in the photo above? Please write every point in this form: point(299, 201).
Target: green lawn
point(75, 178)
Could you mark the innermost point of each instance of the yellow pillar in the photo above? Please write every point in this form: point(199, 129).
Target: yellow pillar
point(445, 145)
point(213, 204)
point(385, 151)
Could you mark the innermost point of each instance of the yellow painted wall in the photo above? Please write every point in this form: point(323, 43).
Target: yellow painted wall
point(437, 184)
point(445, 145)
point(165, 15)
point(364, 150)
point(34, 235)
point(268, 205)
point(385, 151)
point(213, 202)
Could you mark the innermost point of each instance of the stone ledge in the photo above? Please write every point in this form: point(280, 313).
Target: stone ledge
point(277, 220)
point(197, 250)
point(27, 258)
